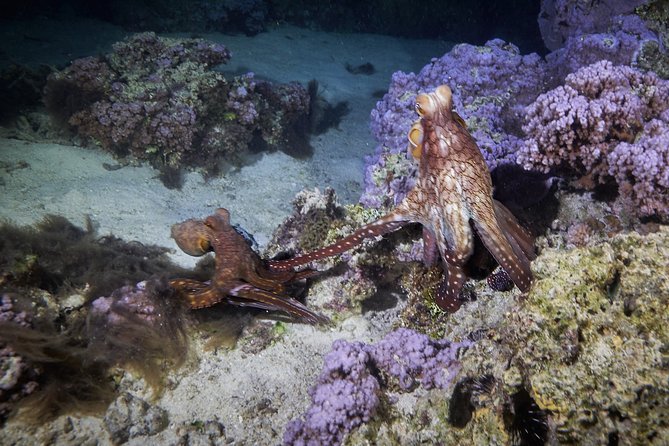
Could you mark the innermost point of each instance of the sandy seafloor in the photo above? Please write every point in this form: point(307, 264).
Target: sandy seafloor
point(251, 395)
point(133, 204)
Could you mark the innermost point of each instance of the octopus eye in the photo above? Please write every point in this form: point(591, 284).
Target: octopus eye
point(423, 105)
point(204, 244)
point(416, 140)
point(457, 118)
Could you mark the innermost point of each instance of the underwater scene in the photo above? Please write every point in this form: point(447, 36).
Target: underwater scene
point(383, 222)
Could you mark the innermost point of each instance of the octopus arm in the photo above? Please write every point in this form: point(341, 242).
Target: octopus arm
point(286, 276)
point(390, 223)
point(198, 294)
point(454, 257)
point(448, 292)
point(430, 248)
point(501, 249)
point(514, 231)
point(245, 295)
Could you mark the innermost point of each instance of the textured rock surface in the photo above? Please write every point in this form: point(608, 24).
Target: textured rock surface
point(130, 417)
point(587, 346)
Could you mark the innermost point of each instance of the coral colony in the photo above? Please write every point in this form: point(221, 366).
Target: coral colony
point(605, 120)
point(621, 110)
point(160, 99)
point(349, 390)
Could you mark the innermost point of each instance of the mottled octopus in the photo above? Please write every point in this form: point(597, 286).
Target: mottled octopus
point(241, 278)
point(452, 200)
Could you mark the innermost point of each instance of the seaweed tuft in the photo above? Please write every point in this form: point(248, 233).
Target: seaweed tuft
point(58, 257)
point(72, 361)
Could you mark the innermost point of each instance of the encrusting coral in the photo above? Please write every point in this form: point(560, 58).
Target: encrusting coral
point(588, 342)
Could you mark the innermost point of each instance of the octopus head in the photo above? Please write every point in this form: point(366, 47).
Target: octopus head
point(438, 103)
point(193, 237)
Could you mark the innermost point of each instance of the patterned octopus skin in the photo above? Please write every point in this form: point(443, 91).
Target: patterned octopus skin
point(452, 199)
point(241, 277)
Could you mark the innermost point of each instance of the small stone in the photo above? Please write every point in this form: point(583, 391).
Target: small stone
point(129, 417)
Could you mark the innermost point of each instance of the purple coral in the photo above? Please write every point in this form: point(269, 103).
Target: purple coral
point(127, 301)
point(641, 169)
point(8, 312)
point(621, 42)
point(345, 397)
point(238, 99)
point(142, 98)
point(159, 99)
point(137, 325)
point(18, 378)
point(582, 33)
point(491, 86)
point(414, 358)
point(603, 114)
point(348, 390)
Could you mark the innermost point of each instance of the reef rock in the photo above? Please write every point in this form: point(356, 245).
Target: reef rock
point(581, 359)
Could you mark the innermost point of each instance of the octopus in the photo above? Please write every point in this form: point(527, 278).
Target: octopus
point(241, 276)
point(452, 200)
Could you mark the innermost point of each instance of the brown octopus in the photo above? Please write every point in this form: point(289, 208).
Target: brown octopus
point(452, 199)
point(242, 277)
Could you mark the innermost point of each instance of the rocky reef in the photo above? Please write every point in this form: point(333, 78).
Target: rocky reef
point(160, 99)
point(580, 360)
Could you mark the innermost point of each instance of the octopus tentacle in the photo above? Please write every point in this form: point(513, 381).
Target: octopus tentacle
point(198, 294)
point(430, 249)
point(260, 280)
point(496, 242)
point(514, 231)
point(264, 299)
point(448, 292)
point(289, 275)
point(385, 225)
point(454, 255)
